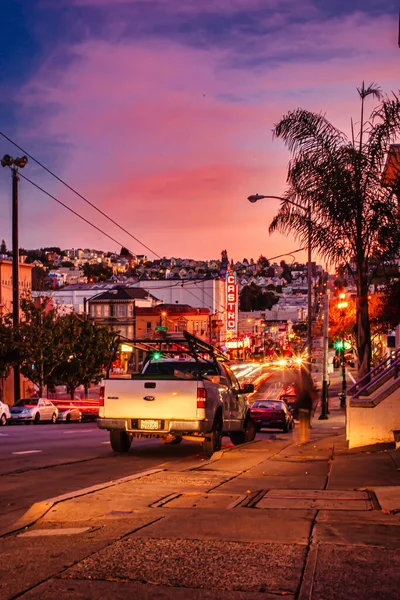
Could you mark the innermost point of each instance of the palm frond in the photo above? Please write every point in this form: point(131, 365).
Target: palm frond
point(373, 89)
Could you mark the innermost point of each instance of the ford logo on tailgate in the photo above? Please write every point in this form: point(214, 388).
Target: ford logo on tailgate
point(149, 398)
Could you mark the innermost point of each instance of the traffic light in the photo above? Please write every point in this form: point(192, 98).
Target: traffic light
point(339, 345)
point(156, 355)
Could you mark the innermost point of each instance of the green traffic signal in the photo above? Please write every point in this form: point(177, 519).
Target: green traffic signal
point(339, 345)
point(342, 345)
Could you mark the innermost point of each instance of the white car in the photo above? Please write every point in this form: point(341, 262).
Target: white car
point(34, 410)
point(5, 414)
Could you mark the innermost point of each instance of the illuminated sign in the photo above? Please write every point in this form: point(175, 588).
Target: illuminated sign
point(126, 348)
point(231, 301)
point(243, 343)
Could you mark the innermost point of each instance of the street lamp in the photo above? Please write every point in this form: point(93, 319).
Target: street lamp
point(342, 305)
point(254, 198)
point(14, 164)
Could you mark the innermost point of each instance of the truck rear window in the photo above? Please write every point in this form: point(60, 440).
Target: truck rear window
point(181, 370)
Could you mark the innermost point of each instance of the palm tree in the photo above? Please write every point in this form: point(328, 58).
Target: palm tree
point(354, 218)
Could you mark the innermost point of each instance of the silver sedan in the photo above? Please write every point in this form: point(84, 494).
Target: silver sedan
point(33, 410)
point(68, 414)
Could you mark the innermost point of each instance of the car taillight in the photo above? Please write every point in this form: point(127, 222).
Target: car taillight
point(101, 396)
point(201, 398)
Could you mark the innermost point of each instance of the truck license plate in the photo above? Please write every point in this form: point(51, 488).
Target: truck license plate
point(148, 424)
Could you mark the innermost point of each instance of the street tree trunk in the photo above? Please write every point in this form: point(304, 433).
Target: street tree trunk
point(363, 332)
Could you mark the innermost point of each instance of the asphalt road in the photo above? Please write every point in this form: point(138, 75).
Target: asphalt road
point(38, 462)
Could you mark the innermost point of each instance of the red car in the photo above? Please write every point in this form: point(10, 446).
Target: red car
point(273, 414)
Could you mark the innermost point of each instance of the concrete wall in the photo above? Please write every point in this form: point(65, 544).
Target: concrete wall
point(371, 420)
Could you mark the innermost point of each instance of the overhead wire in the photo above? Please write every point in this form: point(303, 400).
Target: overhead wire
point(67, 207)
point(77, 194)
point(182, 282)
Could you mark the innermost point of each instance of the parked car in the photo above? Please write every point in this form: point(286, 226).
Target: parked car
point(5, 414)
point(273, 414)
point(68, 414)
point(33, 410)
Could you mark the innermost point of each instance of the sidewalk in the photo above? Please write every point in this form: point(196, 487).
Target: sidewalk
point(268, 519)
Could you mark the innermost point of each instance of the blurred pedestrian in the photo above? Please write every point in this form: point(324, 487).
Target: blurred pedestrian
point(305, 404)
point(304, 407)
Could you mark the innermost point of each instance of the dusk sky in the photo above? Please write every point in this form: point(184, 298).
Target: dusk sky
point(160, 112)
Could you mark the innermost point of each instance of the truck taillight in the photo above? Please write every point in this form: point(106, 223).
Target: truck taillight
point(201, 398)
point(101, 396)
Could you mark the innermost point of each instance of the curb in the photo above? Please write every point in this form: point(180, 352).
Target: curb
point(39, 509)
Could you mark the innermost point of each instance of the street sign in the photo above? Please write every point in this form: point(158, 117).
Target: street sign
point(161, 328)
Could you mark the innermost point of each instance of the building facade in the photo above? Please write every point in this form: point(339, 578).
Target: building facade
point(6, 306)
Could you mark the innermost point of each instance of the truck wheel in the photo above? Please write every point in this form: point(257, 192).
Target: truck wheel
point(120, 441)
point(246, 435)
point(212, 442)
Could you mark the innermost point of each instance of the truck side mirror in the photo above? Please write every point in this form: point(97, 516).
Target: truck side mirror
point(247, 388)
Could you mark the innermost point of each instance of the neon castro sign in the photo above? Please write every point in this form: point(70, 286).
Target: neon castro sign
point(231, 301)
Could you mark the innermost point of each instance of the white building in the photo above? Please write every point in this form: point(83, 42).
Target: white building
point(73, 298)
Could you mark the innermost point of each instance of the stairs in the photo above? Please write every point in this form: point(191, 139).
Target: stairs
point(373, 410)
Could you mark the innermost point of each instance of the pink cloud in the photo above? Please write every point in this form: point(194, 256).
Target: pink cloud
point(170, 140)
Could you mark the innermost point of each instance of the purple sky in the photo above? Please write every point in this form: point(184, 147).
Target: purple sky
point(161, 112)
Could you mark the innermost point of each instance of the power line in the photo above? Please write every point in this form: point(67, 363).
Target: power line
point(78, 194)
point(68, 208)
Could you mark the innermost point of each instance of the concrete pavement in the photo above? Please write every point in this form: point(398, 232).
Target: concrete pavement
point(268, 519)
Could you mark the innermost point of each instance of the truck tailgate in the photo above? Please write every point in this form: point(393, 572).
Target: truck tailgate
point(150, 399)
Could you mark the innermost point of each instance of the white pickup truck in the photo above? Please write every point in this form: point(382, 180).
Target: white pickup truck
point(174, 399)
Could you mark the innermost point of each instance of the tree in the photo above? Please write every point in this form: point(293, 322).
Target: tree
point(3, 247)
point(98, 272)
point(125, 252)
point(252, 298)
point(391, 305)
point(40, 280)
point(40, 343)
point(87, 351)
point(353, 216)
point(8, 349)
point(286, 272)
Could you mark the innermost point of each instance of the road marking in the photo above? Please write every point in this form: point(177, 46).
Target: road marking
point(106, 442)
point(27, 452)
point(3, 434)
point(79, 430)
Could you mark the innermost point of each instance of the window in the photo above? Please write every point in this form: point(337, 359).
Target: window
point(122, 310)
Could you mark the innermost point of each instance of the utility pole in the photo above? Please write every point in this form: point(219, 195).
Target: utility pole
point(134, 336)
point(14, 165)
point(15, 273)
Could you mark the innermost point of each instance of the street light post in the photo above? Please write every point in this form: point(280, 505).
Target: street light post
point(342, 306)
point(15, 164)
point(254, 198)
point(324, 399)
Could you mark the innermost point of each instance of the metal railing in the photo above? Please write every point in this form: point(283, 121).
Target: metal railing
point(387, 368)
